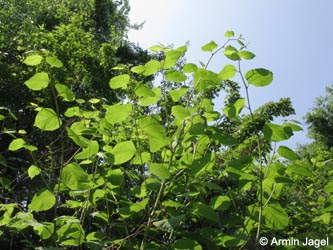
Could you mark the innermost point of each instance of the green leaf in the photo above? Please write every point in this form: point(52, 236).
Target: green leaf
point(150, 100)
point(74, 177)
point(151, 67)
point(190, 68)
point(120, 81)
point(233, 110)
point(170, 223)
point(299, 169)
point(123, 152)
point(329, 187)
point(33, 171)
point(229, 34)
point(228, 72)
point(66, 93)
point(43, 200)
point(275, 132)
point(138, 69)
point(33, 60)
point(204, 211)
point(160, 170)
point(47, 120)
point(247, 55)
point(175, 76)
point(259, 77)
point(176, 94)
point(231, 53)
point(118, 113)
point(186, 244)
point(180, 112)
point(157, 141)
point(16, 144)
point(54, 62)
point(71, 234)
point(275, 217)
point(220, 203)
point(157, 48)
point(89, 151)
point(126, 212)
point(77, 139)
point(38, 81)
point(209, 47)
point(171, 58)
point(45, 230)
point(287, 153)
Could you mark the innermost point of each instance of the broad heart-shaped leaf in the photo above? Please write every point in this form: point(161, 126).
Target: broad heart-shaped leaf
point(126, 212)
point(180, 113)
point(54, 62)
point(287, 153)
point(33, 60)
point(209, 46)
point(231, 53)
point(160, 170)
point(74, 177)
point(275, 217)
point(259, 77)
point(120, 81)
point(45, 230)
point(66, 93)
point(123, 152)
point(189, 68)
point(33, 171)
point(89, 151)
point(47, 119)
point(38, 81)
point(71, 234)
point(175, 76)
point(176, 94)
point(275, 132)
point(229, 71)
point(43, 200)
point(229, 34)
point(150, 100)
point(247, 55)
point(118, 113)
point(151, 67)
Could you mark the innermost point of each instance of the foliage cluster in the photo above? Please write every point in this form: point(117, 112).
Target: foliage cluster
point(159, 167)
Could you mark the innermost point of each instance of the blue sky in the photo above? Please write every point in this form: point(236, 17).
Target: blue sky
point(293, 39)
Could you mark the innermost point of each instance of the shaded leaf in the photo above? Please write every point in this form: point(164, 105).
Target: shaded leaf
point(259, 77)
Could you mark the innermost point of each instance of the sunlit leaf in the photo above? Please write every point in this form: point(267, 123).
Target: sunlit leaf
point(120, 81)
point(160, 170)
point(176, 94)
point(38, 81)
point(89, 151)
point(123, 152)
point(247, 55)
point(42, 200)
point(259, 77)
point(151, 67)
point(209, 46)
point(287, 153)
point(175, 76)
point(229, 34)
point(275, 132)
point(47, 119)
point(33, 171)
point(118, 113)
point(231, 53)
point(54, 61)
point(275, 217)
point(65, 92)
point(229, 71)
point(33, 60)
point(44, 230)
